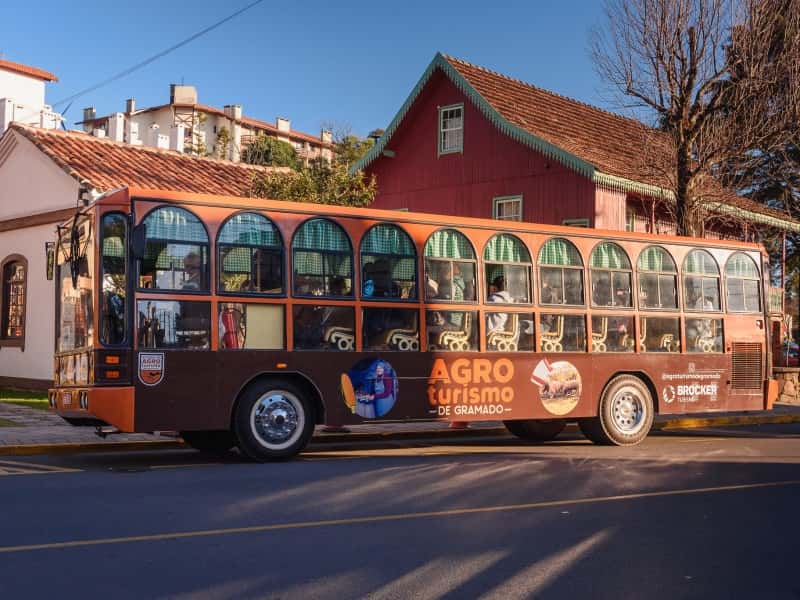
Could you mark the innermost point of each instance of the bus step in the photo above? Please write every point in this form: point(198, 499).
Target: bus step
point(105, 430)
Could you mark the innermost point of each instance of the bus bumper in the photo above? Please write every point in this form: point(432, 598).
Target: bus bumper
point(114, 406)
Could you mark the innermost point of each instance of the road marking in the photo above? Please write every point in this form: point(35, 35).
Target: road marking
point(187, 465)
point(12, 467)
point(177, 535)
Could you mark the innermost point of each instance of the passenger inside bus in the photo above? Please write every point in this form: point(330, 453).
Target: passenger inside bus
point(193, 269)
point(496, 321)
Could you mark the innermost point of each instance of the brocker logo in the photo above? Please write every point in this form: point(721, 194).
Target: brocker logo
point(470, 386)
point(151, 368)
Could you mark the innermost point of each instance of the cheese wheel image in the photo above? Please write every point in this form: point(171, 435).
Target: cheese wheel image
point(348, 393)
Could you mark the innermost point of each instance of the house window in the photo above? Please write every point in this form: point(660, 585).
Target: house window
point(630, 219)
point(507, 208)
point(14, 276)
point(576, 222)
point(451, 129)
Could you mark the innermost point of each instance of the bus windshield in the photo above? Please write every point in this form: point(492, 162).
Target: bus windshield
point(75, 313)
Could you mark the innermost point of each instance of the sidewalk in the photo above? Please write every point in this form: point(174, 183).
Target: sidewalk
point(38, 431)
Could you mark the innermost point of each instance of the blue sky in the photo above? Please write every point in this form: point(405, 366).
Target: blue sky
point(349, 62)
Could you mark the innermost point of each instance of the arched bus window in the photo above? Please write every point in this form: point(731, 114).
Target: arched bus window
point(388, 263)
point(658, 279)
point(610, 272)
point(250, 255)
point(322, 259)
point(560, 273)
point(114, 308)
point(508, 270)
point(700, 282)
point(743, 284)
point(176, 251)
point(449, 267)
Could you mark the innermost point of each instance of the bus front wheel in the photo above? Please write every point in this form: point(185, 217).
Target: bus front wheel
point(537, 431)
point(273, 420)
point(215, 442)
point(625, 414)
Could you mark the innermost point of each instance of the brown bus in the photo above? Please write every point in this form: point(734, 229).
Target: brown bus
point(247, 322)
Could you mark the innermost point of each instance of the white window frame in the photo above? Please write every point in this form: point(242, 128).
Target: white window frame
point(500, 200)
point(441, 131)
point(583, 222)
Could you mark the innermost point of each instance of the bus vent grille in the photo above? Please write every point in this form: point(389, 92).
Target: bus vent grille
point(746, 373)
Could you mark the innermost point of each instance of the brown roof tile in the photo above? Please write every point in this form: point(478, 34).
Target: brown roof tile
point(27, 70)
point(108, 165)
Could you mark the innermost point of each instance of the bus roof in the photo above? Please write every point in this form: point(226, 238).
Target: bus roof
point(239, 203)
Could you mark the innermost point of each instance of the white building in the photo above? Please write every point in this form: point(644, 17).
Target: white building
point(223, 133)
point(22, 93)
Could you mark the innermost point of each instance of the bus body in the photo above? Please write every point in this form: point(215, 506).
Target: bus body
point(248, 321)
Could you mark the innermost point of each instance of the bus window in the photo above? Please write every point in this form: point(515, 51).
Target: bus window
point(449, 267)
point(700, 282)
point(250, 255)
point(391, 329)
point(660, 334)
point(561, 273)
point(562, 333)
point(704, 335)
point(658, 279)
point(113, 310)
point(612, 333)
point(174, 324)
point(743, 284)
point(322, 259)
point(507, 265)
point(389, 264)
point(176, 251)
point(454, 330)
point(323, 327)
point(610, 272)
point(250, 326)
point(509, 332)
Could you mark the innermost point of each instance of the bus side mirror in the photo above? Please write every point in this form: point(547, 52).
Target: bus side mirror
point(138, 241)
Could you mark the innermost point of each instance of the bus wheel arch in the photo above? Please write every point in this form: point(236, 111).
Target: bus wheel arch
point(299, 379)
point(625, 412)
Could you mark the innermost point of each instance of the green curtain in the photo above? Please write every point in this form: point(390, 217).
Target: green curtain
point(560, 252)
point(741, 265)
point(236, 260)
point(318, 263)
point(176, 224)
point(165, 256)
point(506, 248)
point(448, 243)
point(656, 259)
point(700, 261)
point(250, 228)
point(387, 239)
point(112, 247)
point(608, 255)
point(321, 234)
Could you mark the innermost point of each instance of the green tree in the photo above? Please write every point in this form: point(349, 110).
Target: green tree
point(271, 152)
point(350, 149)
point(222, 143)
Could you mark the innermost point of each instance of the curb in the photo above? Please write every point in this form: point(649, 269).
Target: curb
point(339, 438)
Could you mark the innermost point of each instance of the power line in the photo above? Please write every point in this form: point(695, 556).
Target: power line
point(155, 57)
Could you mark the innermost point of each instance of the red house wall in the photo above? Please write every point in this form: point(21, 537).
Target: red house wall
point(491, 165)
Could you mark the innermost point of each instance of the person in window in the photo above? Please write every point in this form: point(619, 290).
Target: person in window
point(193, 272)
point(338, 286)
point(247, 286)
point(497, 321)
point(704, 303)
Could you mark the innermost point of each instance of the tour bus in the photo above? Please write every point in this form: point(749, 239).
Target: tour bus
point(247, 322)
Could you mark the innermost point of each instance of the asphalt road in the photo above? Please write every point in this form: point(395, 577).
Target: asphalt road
point(702, 514)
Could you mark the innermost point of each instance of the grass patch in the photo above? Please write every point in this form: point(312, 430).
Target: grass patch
point(7, 423)
point(36, 400)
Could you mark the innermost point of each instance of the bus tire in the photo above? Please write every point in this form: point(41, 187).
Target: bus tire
point(536, 430)
point(214, 442)
point(625, 416)
point(274, 420)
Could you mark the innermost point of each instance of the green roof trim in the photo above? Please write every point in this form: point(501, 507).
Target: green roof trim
point(516, 133)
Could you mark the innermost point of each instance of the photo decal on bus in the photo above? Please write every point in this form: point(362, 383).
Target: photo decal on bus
point(151, 368)
point(559, 385)
point(370, 388)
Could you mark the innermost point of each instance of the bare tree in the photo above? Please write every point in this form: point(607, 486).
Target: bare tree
point(720, 80)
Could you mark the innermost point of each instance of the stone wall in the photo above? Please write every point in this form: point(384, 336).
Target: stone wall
point(788, 385)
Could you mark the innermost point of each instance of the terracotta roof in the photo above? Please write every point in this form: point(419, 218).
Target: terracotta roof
point(608, 148)
point(108, 165)
point(292, 134)
point(27, 70)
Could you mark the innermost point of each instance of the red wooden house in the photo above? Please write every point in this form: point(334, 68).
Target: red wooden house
point(472, 142)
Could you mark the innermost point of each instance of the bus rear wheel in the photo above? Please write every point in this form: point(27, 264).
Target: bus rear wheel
point(625, 415)
point(273, 420)
point(215, 442)
point(537, 431)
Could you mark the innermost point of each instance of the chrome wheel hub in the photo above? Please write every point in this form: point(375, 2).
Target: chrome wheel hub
point(277, 419)
point(628, 411)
